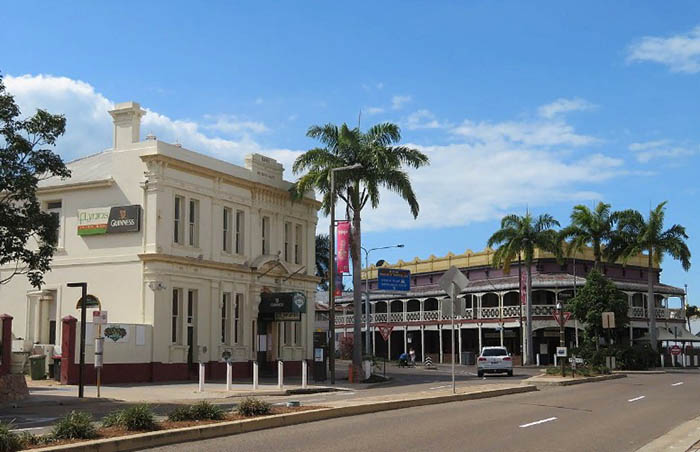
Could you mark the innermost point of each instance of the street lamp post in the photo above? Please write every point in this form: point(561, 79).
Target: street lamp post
point(331, 272)
point(368, 348)
point(562, 339)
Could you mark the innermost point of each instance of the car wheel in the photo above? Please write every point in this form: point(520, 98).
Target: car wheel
point(480, 374)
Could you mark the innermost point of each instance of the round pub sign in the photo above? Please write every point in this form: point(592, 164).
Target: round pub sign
point(91, 301)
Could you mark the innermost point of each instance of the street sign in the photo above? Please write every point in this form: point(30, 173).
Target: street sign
point(453, 275)
point(393, 279)
point(561, 320)
point(608, 320)
point(576, 360)
point(676, 350)
point(385, 331)
point(99, 317)
point(91, 302)
point(561, 352)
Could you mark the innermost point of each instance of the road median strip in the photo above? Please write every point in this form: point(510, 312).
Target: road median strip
point(548, 380)
point(196, 433)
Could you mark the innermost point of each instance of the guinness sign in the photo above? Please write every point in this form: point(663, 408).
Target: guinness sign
point(109, 220)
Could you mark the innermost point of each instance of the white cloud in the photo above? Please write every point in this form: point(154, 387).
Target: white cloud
point(89, 126)
point(233, 124)
point(660, 149)
point(538, 133)
point(563, 105)
point(423, 119)
point(397, 102)
point(373, 110)
point(681, 53)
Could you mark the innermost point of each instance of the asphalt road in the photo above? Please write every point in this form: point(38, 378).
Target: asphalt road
point(615, 415)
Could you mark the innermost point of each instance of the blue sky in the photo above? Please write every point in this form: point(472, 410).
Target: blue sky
point(539, 104)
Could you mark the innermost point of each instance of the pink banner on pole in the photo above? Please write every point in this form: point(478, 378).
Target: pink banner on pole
point(343, 244)
point(523, 288)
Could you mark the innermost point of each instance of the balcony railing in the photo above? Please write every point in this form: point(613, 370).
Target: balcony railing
point(489, 313)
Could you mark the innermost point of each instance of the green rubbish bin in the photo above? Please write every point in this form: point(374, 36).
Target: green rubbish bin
point(37, 367)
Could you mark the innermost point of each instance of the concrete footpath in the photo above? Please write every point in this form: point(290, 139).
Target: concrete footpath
point(330, 410)
point(684, 438)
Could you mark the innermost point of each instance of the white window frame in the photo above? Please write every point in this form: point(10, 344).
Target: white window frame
point(239, 231)
point(179, 220)
point(237, 318)
point(175, 315)
point(193, 222)
point(227, 233)
point(265, 234)
point(298, 243)
point(226, 318)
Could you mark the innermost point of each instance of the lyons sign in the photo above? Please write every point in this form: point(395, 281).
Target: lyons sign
point(109, 220)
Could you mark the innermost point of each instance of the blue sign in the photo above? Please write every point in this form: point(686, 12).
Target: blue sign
point(394, 279)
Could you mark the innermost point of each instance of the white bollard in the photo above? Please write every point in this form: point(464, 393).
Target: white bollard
point(229, 375)
point(555, 360)
point(201, 377)
point(538, 359)
point(304, 373)
point(280, 374)
point(255, 375)
point(663, 364)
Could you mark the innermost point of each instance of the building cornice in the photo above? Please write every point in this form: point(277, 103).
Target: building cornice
point(103, 183)
point(239, 181)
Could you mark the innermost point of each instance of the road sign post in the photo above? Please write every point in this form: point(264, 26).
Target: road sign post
point(453, 282)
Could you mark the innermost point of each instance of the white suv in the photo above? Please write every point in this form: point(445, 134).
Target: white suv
point(494, 360)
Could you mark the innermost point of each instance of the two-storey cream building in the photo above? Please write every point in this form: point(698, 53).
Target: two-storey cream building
point(178, 247)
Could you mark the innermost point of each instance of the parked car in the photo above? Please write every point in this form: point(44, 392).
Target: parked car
point(494, 360)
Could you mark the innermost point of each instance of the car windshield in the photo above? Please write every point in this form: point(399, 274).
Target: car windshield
point(494, 352)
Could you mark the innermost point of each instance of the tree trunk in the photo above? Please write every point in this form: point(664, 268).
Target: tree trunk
point(528, 316)
point(651, 302)
point(355, 250)
point(596, 254)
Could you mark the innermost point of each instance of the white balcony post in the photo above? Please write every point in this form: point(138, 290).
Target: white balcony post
point(422, 342)
point(459, 331)
point(405, 338)
point(422, 307)
point(405, 305)
point(440, 337)
point(502, 328)
point(479, 330)
point(500, 310)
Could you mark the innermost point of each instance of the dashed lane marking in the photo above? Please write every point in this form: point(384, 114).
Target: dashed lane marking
point(541, 421)
point(636, 398)
point(677, 384)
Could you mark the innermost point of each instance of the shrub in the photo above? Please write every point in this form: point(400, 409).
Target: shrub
point(75, 425)
point(253, 407)
point(135, 418)
point(201, 411)
point(9, 440)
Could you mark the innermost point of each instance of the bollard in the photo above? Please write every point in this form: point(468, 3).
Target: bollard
point(555, 360)
point(201, 377)
point(304, 373)
point(229, 375)
point(280, 374)
point(538, 359)
point(255, 375)
point(663, 364)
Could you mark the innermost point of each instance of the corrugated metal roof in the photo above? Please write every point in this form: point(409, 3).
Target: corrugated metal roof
point(93, 168)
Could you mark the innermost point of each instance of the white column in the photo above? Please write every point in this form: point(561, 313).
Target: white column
point(479, 329)
point(422, 342)
point(502, 328)
point(229, 375)
point(280, 374)
point(459, 331)
point(440, 337)
point(374, 340)
point(37, 319)
point(420, 302)
point(201, 377)
point(405, 338)
point(255, 375)
point(304, 373)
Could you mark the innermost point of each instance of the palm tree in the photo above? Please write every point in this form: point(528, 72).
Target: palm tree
point(589, 227)
point(383, 162)
point(520, 235)
point(635, 235)
point(323, 253)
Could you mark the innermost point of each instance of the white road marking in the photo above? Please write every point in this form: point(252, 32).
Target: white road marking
point(440, 387)
point(541, 421)
point(677, 384)
point(636, 398)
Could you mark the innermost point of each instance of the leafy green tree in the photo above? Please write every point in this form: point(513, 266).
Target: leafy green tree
point(383, 161)
point(323, 253)
point(589, 228)
point(27, 234)
point(635, 235)
point(598, 295)
point(521, 235)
